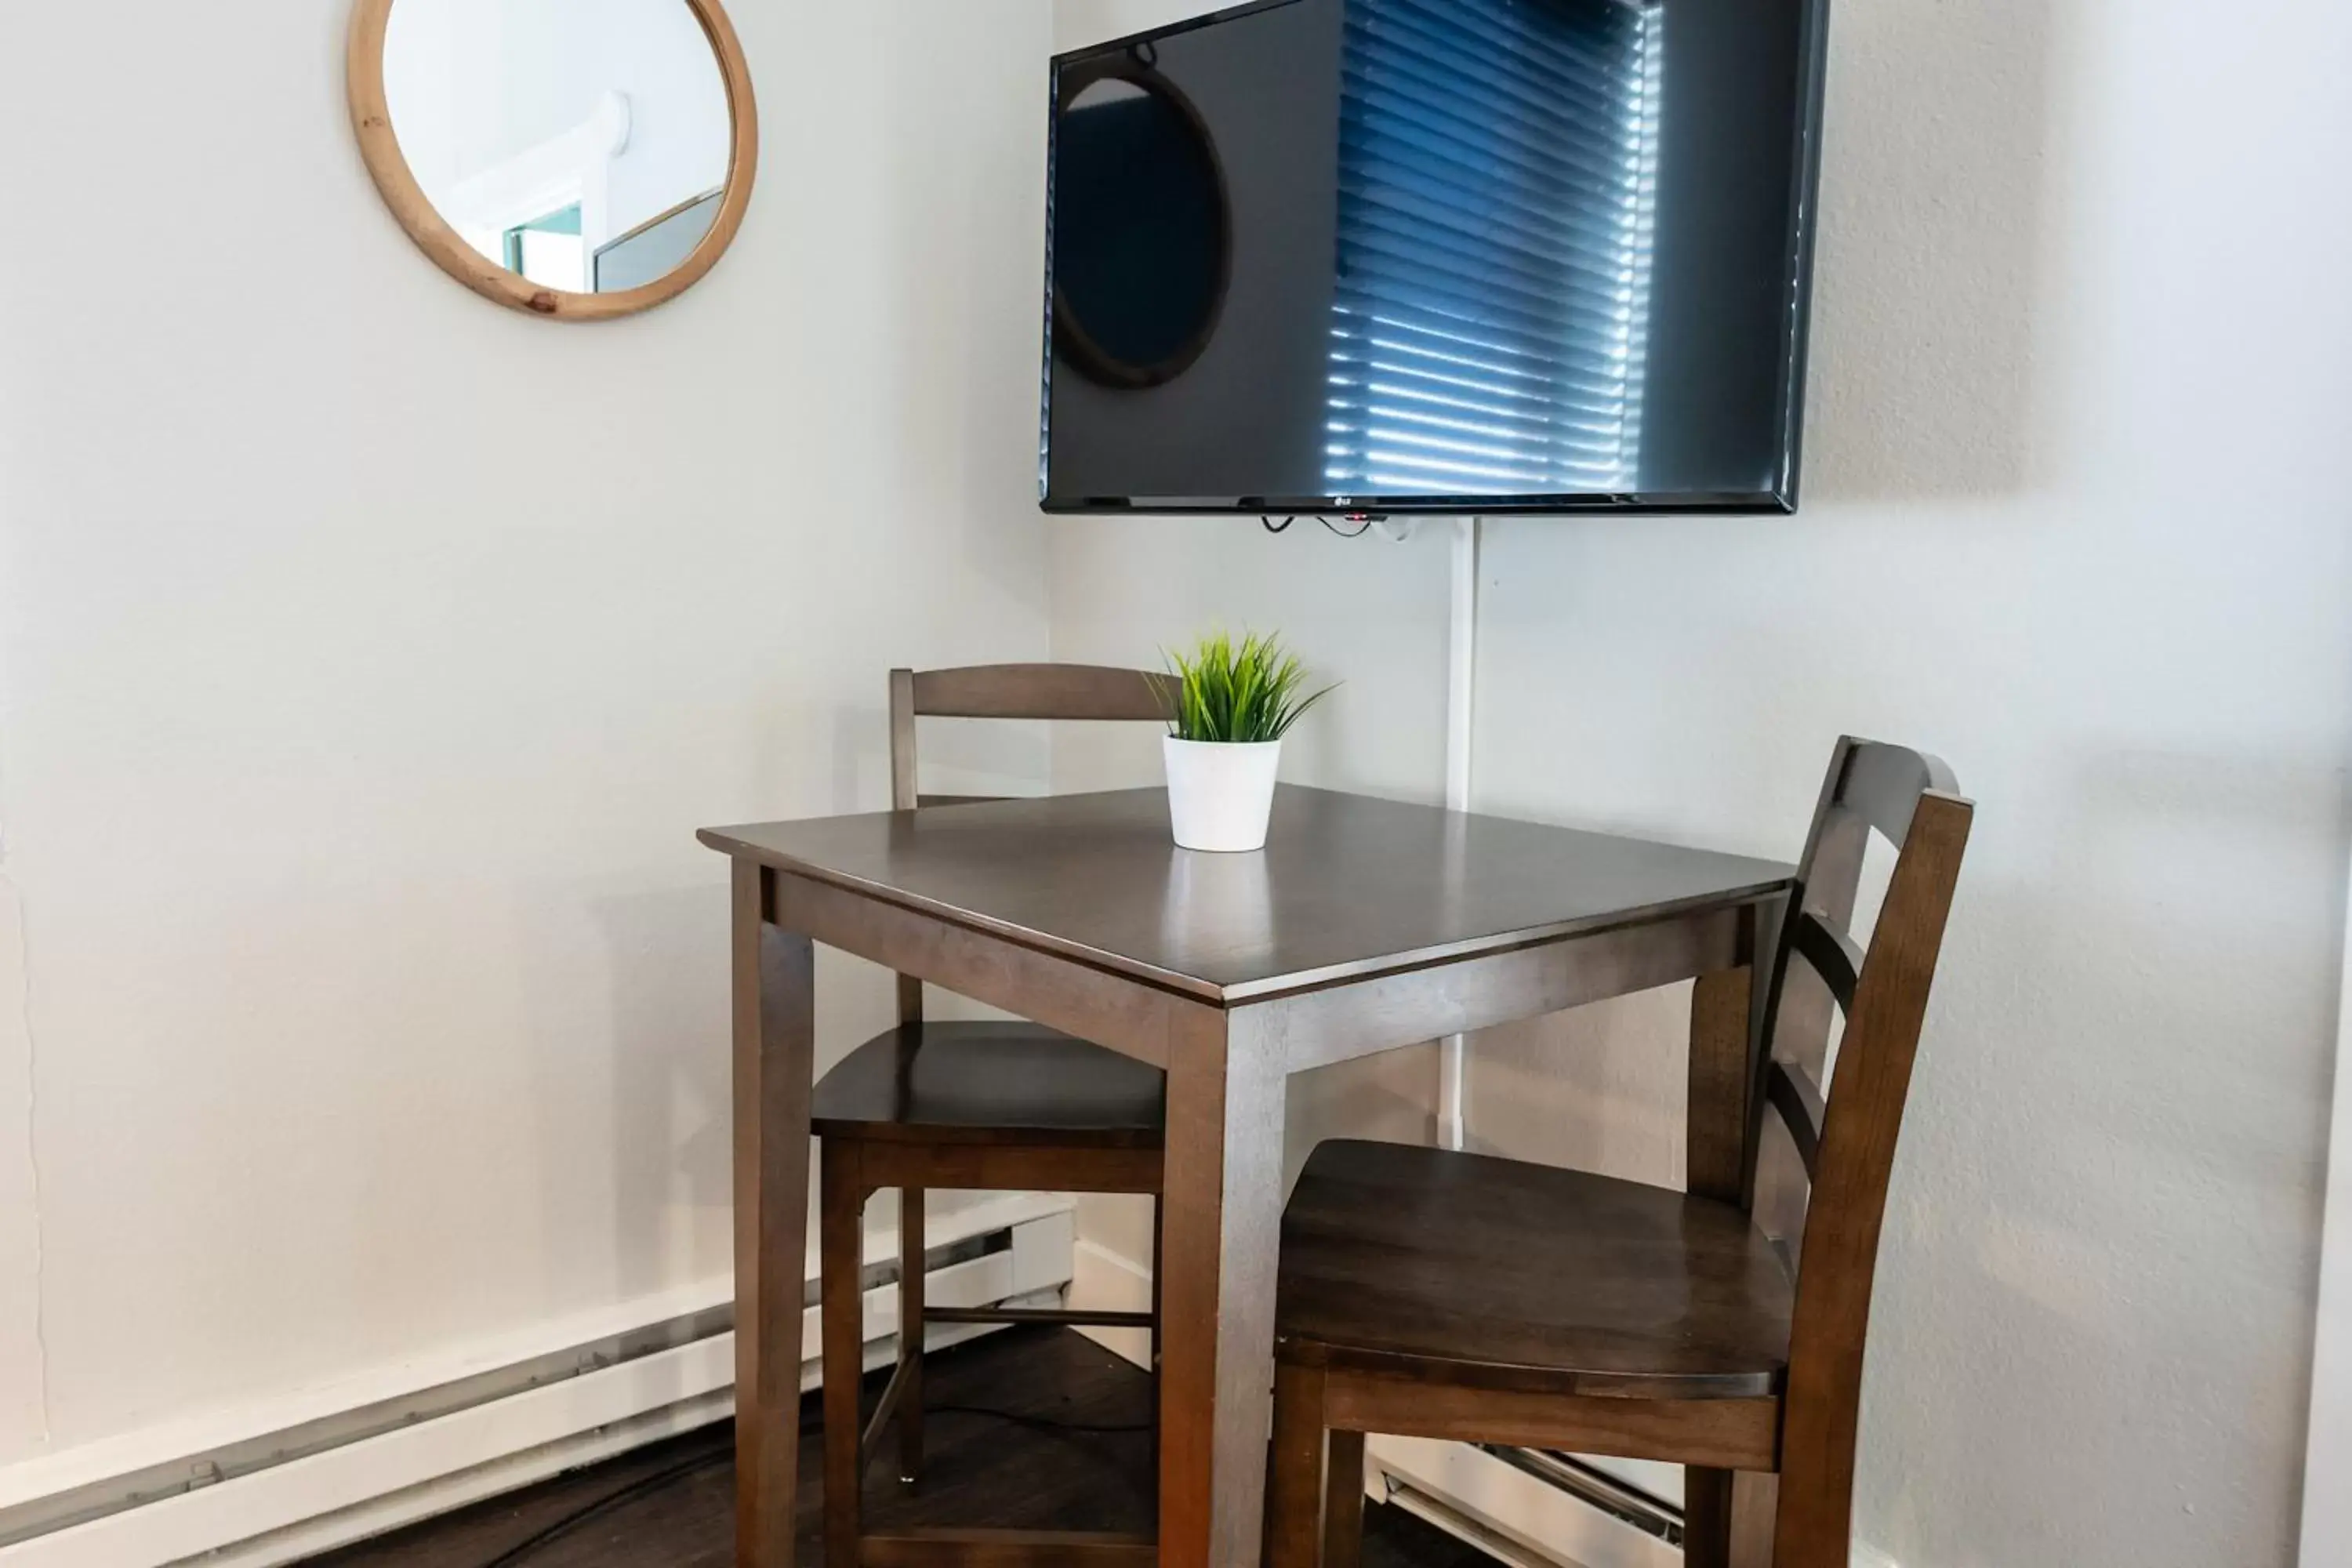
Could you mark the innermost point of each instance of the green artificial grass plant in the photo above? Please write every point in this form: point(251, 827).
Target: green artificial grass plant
point(1238, 693)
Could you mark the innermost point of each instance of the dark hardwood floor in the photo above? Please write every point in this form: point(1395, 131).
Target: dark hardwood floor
point(672, 1505)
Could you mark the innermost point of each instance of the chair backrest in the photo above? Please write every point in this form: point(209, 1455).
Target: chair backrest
point(1844, 1131)
point(1087, 692)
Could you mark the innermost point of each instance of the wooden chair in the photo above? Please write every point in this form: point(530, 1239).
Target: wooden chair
point(989, 1105)
point(1458, 1296)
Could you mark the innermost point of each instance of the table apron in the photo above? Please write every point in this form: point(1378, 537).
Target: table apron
point(1335, 1023)
point(1363, 1017)
point(1128, 1016)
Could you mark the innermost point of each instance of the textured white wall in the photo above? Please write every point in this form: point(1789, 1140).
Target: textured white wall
point(371, 655)
point(2080, 380)
point(2083, 367)
point(2327, 1461)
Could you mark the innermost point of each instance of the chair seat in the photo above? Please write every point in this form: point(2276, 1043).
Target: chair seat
point(1494, 1273)
point(985, 1082)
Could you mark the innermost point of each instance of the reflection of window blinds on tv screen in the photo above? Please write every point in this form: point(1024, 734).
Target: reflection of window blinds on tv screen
point(1436, 254)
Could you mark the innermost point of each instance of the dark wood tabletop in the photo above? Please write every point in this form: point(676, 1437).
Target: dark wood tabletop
point(1348, 887)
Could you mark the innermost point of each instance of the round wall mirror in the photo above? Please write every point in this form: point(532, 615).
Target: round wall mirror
point(578, 159)
point(1142, 226)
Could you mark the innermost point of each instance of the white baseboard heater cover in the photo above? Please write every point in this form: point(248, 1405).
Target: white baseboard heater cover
point(1526, 1508)
point(279, 1494)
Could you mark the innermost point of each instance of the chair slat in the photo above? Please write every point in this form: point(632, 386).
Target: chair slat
point(1044, 692)
point(902, 740)
point(1792, 1094)
point(1882, 785)
point(1833, 953)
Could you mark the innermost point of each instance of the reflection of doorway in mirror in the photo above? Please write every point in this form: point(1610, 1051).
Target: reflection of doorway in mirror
point(512, 113)
point(558, 188)
point(549, 251)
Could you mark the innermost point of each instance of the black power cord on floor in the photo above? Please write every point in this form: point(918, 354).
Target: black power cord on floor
point(1052, 1423)
point(645, 1486)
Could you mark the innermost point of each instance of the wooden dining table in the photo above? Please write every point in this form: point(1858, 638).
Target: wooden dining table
point(1364, 925)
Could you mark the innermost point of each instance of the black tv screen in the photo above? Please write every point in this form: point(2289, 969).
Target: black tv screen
point(1449, 256)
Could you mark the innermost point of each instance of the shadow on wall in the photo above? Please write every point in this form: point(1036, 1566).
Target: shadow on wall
point(23, 1370)
point(1385, 1099)
point(2071, 1225)
point(1600, 1087)
point(1925, 283)
point(648, 1210)
point(956, 329)
point(654, 1051)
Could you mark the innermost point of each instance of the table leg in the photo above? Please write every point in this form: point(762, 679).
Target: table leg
point(1222, 1225)
point(774, 1058)
point(1706, 1518)
point(1721, 1075)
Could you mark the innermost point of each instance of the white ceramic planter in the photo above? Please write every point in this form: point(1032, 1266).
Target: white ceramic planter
point(1219, 795)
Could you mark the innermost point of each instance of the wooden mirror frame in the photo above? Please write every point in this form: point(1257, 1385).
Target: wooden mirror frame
point(372, 121)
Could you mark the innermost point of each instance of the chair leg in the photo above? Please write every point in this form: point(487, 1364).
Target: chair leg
point(1159, 1221)
point(1755, 1510)
point(1294, 1491)
point(1343, 1499)
point(840, 1204)
point(1158, 1214)
point(1706, 1518)
point(910, 1333)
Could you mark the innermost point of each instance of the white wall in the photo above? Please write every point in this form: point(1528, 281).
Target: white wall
point(2073, 518)
point(369, 655)
point(2327, 1460)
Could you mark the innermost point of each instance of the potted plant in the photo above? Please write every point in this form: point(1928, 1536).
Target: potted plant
point(1235, 702)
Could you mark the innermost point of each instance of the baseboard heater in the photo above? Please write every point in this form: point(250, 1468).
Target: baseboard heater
point(1530, 1509)
point(279, 1494)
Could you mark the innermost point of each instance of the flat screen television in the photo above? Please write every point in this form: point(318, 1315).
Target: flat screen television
point(1436, 255)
